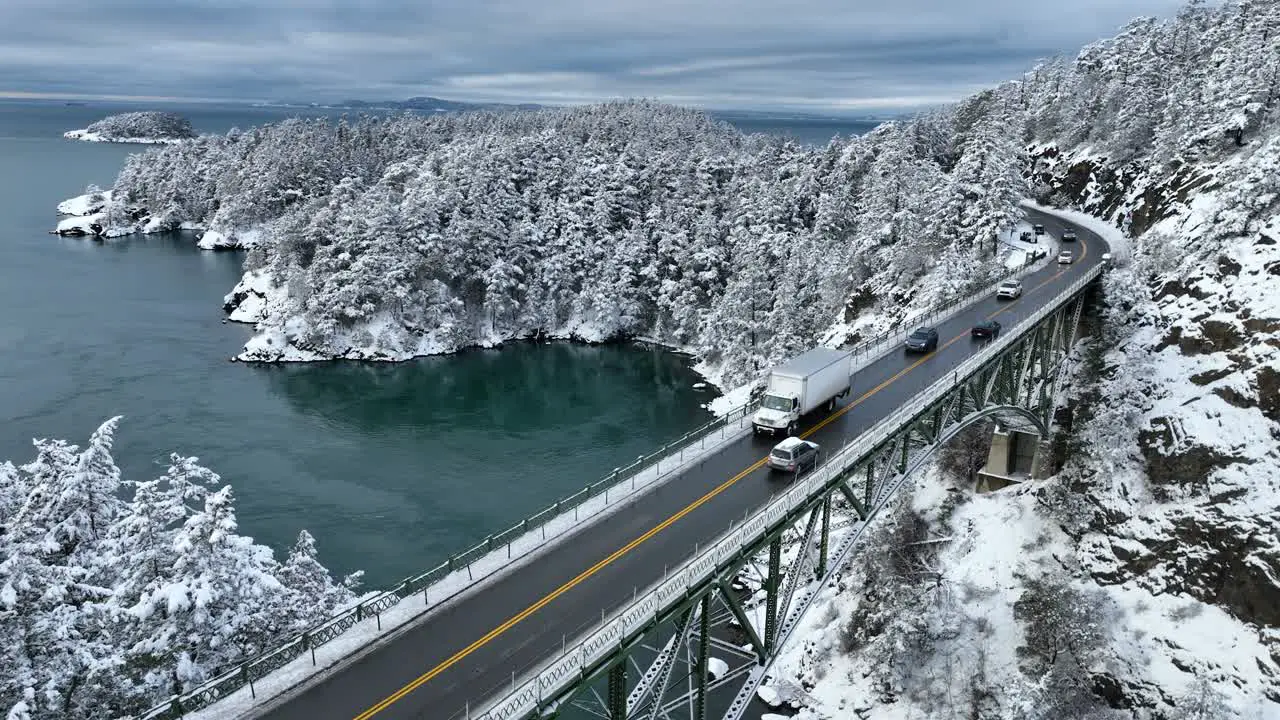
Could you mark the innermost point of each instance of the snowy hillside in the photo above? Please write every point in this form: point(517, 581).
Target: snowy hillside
point(108, 606)
point(390, 238)
point(150, 127)
point(1142, 579)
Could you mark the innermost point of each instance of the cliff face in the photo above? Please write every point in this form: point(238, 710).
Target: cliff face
point(1143, 578)
point(1181, 460)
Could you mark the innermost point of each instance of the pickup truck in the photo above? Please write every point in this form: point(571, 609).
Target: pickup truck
point(801, 385)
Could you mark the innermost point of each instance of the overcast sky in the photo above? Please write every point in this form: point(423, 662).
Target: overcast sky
point(816, 55)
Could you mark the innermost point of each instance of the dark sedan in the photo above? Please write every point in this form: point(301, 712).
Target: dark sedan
point(986, 329)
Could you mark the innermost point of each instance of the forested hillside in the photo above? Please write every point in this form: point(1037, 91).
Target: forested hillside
point(116, 594)
point(387, 238)
point(1140, 580)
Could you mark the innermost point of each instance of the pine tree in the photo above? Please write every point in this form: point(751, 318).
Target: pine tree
point(108, 605)
point(315, 594)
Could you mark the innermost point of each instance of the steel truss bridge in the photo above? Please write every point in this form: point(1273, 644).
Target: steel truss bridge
point(651, 660)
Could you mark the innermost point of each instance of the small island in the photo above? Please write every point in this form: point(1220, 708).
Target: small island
point(137, 127)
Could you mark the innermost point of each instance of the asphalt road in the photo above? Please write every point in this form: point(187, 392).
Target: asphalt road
point(466, 651)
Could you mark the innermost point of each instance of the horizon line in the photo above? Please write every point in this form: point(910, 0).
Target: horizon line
point(839, 108)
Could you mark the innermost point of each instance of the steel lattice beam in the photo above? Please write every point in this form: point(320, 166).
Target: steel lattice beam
point(1015, 384)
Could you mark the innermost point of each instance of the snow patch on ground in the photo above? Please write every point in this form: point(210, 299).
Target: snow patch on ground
point(731, 400)
point(86, 204)
point(1181, 639)
point(991, 543)
point(868, 324)
point(1019, 250)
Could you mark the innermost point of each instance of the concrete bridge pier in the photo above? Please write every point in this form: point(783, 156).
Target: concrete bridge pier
point(1016, 456)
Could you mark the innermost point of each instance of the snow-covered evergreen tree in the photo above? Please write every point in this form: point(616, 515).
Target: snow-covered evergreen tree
point(111, 600)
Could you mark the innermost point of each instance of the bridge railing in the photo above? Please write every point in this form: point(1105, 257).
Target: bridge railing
point(868, 352)
point(466, 568)
point(599, 645)
point(459, 572)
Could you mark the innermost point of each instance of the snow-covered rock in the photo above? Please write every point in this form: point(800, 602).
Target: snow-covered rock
point(89, 136)
point(769, 696)
point(229, 239)
point(87, 204)
point(82, 225)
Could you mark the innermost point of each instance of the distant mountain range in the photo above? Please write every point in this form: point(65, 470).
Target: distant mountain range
point(435, 104)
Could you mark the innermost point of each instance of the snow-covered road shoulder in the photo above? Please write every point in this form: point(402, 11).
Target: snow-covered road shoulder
point(1119, 242)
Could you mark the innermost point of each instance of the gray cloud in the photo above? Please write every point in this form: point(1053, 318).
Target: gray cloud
point(799, 54)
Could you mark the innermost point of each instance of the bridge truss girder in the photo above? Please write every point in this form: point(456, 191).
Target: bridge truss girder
point(663, 671)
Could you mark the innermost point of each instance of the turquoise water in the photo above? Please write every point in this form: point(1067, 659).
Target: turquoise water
point(391, 467)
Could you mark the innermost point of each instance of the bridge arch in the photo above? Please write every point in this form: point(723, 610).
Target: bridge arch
point(1014, 417)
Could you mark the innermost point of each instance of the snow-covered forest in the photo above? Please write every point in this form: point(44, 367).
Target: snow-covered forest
point(116, 594)
point(1140, 579)
point(387, 238)
point(150, 126)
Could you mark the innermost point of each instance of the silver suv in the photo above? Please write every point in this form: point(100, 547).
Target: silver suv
point(1009, 290)
point(794, 455)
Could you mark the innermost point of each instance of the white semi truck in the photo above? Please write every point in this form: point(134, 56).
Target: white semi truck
point(811, 380)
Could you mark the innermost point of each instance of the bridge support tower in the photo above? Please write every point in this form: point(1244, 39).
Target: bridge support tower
point(1015, 456)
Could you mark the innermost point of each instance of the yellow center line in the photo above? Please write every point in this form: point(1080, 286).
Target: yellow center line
point(1084, 253)
point(585, 574)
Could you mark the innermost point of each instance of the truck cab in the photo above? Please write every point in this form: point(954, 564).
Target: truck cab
point(779, 413)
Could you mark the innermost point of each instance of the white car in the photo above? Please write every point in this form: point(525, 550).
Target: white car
point(1009, 290)
point(1066, 257)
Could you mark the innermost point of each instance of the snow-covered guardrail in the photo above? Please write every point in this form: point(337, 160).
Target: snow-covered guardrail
point(522, 541)
point(599, 644)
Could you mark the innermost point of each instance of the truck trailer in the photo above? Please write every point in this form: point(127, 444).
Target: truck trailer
point(803, 384)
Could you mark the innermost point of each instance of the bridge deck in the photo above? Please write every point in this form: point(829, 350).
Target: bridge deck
point(466, 651)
